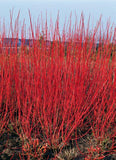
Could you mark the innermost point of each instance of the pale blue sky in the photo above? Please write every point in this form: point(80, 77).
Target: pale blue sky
point(94, 8)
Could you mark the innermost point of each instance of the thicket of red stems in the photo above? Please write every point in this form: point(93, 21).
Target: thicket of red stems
point(49, 92)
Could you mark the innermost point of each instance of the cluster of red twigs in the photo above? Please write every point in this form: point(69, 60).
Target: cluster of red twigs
point(49, 92)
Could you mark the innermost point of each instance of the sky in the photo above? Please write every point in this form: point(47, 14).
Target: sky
point(92, 8)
